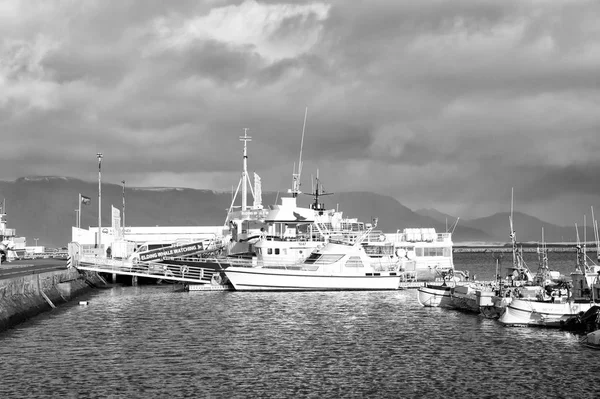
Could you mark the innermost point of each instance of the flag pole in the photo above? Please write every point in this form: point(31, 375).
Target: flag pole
point(79, 213)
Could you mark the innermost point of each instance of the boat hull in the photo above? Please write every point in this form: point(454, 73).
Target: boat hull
point(541, 314)
point(434, 296)
point(266, 279)
point(466, 303)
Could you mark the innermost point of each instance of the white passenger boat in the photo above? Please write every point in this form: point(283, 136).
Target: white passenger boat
point(425, 253)
point(338, 265)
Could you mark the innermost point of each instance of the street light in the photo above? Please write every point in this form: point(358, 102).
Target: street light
point(123, 181)
point(99, 198)
point(36, 240)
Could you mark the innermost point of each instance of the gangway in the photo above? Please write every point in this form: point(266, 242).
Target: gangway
point(203, 271)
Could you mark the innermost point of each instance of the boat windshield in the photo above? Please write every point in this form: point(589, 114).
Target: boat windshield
point(322, 259)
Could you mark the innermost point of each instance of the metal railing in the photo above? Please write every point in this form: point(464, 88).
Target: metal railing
point(162, 271)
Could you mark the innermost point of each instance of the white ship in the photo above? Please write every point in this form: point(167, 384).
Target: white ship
point(338, 265)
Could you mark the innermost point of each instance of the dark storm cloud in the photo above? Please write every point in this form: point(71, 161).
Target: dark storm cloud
point(441, 104)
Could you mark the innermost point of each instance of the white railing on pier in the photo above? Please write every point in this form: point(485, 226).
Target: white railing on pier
point(163, 271)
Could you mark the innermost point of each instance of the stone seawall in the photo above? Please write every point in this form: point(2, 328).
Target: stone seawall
point(24, 297)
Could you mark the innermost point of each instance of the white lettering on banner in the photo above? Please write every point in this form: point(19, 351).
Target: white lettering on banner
point(170, 251)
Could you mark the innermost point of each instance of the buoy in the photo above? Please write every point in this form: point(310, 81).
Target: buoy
point(84, 303)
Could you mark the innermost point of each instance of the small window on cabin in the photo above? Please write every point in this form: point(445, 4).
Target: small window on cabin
point(258, 251)
point(419, 251)
point(276, 251)
point(270, 251)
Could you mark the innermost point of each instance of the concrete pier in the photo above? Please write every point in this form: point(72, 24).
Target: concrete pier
point(26, 296)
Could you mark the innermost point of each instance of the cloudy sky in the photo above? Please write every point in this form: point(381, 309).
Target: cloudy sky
point(444, 104)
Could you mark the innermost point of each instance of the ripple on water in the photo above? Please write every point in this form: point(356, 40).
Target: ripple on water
point(153, 342)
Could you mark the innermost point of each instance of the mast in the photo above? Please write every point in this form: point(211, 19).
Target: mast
point(513, 235)
point(245, 138)
point(596, 238)
point(296, 176)
point(319, 207)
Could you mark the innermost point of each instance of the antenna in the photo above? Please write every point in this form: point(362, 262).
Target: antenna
point(296, 176)
point(318, 191)
point(454, 226)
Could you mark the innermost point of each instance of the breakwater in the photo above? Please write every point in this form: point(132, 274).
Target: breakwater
point(525, 249)
point(24, 297)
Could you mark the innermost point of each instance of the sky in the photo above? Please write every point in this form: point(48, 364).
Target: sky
point(439, 104)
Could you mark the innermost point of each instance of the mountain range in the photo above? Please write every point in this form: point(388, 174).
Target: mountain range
point(44, 208)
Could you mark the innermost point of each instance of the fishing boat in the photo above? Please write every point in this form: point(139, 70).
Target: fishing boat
point(583, 322)
point(434, 295)
point(591, 340)
point(581, 294)
point(337, 265)
point(519, 281)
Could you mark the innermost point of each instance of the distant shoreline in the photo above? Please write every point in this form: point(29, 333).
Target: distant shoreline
point(571, 247)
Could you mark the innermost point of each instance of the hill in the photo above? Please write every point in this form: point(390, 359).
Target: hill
point(44, 208)
point(527, 228)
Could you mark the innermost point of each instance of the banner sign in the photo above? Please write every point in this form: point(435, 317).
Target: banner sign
point(172, 251)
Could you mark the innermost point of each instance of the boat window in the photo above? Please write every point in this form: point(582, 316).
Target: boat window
point(312, 258)
point(378, 249)
point(354, 261)
point(433, 251)
point(284, 251)
point(270, 251)
point(276, 251)
point(258, 251)
point(322, 259)
point(447, 252)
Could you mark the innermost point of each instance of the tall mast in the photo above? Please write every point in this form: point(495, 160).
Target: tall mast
point(512, 230)
point(296, 176)
point(245, 138)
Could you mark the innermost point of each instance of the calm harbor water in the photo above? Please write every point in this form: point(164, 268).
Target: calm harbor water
point(151, 341)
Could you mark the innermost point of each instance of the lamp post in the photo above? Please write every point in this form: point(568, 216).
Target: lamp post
point(99, 198)
point(36, 240)
point(123, 181)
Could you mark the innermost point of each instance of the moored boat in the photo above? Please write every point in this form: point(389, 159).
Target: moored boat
point(584, 322)
point(434, 295)
point(584, 294)
point(338, 265)
point(591, 340)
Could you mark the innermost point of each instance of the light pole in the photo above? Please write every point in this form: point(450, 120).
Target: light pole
point(36, 240)
point(123, 181)
point(99, 198)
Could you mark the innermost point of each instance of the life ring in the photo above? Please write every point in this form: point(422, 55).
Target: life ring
point(216, 279)
point(184, 269)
